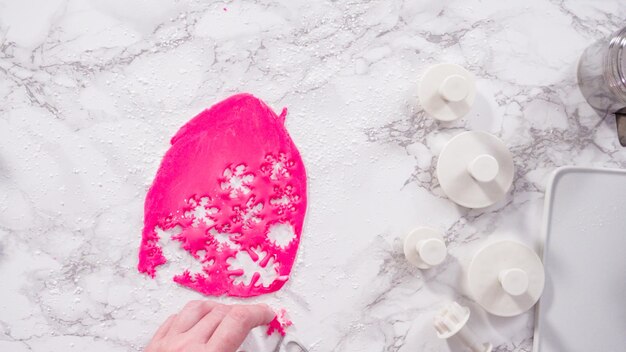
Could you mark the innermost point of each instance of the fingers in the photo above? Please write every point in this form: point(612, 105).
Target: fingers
point(164, 328)
point(236, 325)
point(204, 329)
point(190, 315)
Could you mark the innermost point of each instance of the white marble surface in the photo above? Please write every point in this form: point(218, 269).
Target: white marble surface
point(91, 92)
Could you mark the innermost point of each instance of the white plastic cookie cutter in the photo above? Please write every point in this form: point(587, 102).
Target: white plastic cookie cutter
point(475, 169)
point(425, 247)
point(451, 321)
point(447, 91)
point(506, 278)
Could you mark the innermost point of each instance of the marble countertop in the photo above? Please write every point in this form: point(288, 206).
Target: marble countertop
point(91, 92)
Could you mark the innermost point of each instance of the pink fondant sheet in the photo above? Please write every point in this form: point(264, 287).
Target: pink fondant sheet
point(234, 185)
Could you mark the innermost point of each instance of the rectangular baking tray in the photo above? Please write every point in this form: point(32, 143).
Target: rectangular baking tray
point(583, 307)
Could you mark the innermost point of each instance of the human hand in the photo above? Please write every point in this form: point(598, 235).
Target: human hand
point(204, 326)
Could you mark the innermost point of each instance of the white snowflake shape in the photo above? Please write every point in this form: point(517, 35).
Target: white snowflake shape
point(237, 181)
point(264, 271)
point(277, 167)
point(224, 238)
point(285, 199)
point(200, 211)
point(250, 214)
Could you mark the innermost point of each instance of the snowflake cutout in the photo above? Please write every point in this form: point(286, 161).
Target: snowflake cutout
point(254, 267)
point(200, 212)
point(277, 166)
point(285, 199)
point(225, 238)
point(236, 181)
point(192, 239)
point(248, 215)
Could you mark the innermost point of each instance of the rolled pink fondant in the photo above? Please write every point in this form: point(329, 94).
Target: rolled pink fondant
point(234, 182)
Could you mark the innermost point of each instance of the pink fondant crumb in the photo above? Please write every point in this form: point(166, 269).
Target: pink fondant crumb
point(280, 323)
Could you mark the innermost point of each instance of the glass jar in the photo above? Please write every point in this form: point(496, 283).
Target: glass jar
point(602, 78)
